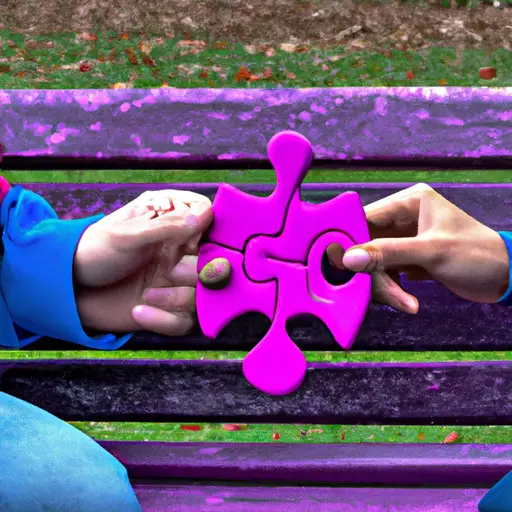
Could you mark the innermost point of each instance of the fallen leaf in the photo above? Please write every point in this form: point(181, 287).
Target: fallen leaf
point(387, 54)
point(203, 74)
point(131, 56)
point(302, 432)
point(221, 45)
point(443, 82)
point(288, 47)
point(86, 36)
point(343, 436)
point(410, 75)
point(231, 427)
point(124, 36)
point(85, 67)
point(244, 74)
point(267, 73)
point(450, 438)
point(487, 73)
point(276, 436)
point(193, 428)
point(188, 42)
point(147, 60)
point(291, 76)
point(251, 49)
point(421, 436)
point(4, 69)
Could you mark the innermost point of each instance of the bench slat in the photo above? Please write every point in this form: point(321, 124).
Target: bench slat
point(428, 126)
point(345, 464)
point(462, 393)
point(442, 314)
point(198, 498)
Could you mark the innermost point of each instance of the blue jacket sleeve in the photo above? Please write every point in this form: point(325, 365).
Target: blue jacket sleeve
point(506, 299)
point(37, 297)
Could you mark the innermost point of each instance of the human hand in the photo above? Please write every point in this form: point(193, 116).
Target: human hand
point(135, 269)
point(420, 233)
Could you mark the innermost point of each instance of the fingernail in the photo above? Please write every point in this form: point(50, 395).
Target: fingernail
point(157, 296)
point(356, 259)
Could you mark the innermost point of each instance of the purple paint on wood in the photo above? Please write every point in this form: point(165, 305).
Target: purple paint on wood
point(444, 322)
point(198, 498)
point(346, 464)
point(463, 393)
point(456, 125)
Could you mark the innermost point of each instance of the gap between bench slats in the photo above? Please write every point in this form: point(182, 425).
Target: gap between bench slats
point(426, 126)
point(444, 322)
point(344, 464)
point(180, 497)
point(476, 393)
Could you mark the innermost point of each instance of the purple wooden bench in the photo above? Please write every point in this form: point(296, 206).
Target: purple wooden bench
point(357, 129)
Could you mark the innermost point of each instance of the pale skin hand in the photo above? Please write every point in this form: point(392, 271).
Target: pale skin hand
point(135, 269)
point(420, 233)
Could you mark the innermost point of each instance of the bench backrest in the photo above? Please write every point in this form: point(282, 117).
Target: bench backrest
point(443, 129)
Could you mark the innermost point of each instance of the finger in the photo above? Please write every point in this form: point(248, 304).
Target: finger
point(175, 299)
point(399, 211)
point(192, 246)
point(178, 225)
point(386, 291)
point(383, 253)
point(162, 322)
point(185, 272)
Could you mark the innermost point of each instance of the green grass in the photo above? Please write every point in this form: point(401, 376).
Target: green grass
point(194, 355)
point(255, 176)
point(68, 61)
point(262, 433)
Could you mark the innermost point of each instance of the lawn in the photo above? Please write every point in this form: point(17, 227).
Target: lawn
point(123, 60)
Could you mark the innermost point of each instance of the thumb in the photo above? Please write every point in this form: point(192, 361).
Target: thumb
point(383, 253)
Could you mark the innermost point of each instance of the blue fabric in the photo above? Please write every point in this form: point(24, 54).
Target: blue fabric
point(499, 498)
point(36, 275)
point(49, 466)
point(507, 296)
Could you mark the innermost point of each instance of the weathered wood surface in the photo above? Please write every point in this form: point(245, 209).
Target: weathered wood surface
point(424, 126)
point(344, 464)
point(476, 393)
point(451, 323)
point(180, 497)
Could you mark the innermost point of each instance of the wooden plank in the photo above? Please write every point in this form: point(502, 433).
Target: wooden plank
point(420, 126)
point(463, 393)
point(343, 464)
point(180, 497)
point(442, 315)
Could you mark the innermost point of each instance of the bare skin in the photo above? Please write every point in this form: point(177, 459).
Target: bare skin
point(420, 233)
point(135, 269)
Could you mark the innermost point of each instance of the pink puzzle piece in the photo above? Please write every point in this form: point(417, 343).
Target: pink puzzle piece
point(280, 275)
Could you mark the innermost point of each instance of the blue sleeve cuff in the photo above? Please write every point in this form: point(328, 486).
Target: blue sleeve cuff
point(506, 299)
point(36, 274)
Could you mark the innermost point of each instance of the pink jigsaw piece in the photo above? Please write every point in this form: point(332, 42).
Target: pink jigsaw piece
point(281, 276)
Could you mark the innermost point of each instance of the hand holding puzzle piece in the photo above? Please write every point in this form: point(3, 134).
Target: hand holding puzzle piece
point(275, 246)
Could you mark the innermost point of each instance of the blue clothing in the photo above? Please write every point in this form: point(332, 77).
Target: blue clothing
point(499, 497)
point(49, 466)
point(46, 465)
point(37, 297)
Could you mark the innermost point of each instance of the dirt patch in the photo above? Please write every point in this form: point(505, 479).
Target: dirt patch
point(360, 25)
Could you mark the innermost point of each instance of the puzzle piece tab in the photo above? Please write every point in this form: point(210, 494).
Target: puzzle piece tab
point(280, 274)
point(238, 216)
